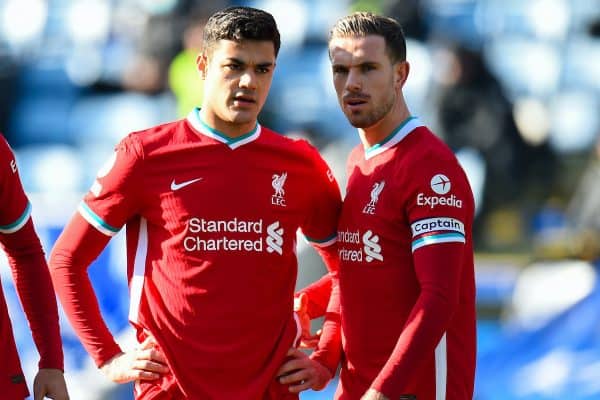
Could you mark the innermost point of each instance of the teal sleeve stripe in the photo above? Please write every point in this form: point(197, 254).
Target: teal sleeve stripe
point(435, 239)
point(442, 236)
point(18, 224)
point(329, 239)
point(97, 220)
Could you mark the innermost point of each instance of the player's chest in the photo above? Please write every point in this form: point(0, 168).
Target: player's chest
point(213, 186)
point(374, 199)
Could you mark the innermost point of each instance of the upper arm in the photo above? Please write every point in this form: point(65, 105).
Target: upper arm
point(115, 194)
point(15, 208)
point(320, 224)
point(440, 213)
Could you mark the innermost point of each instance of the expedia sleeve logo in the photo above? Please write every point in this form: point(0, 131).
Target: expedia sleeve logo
point(440, 184)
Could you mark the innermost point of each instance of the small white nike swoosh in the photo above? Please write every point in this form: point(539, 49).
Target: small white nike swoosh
point(177, 186)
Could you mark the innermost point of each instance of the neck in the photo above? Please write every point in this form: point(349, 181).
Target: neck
point(375, 133)
point(232, 130)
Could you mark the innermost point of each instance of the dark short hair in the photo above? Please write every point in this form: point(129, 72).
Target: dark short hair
point(361, 24)
point(238, 24)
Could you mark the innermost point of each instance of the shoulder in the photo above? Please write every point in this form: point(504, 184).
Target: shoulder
point(426, 146)
point(356, 154)
point(429, 160)
point(295, 147)
point(7, 158)
point(5, 150)
point(148, 141)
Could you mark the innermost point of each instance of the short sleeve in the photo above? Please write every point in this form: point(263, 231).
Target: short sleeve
point(440, 207)
point(15, 209)
point(320, 226)
point(114, 196)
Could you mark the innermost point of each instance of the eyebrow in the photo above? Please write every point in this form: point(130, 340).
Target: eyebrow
point(238, 61)
point(337, 65)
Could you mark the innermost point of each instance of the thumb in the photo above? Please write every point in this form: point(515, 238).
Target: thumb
point(148, 343)
point(301, 303)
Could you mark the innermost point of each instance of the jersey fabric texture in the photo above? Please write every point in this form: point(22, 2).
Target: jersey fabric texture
point(211, 226)
point(406, 277)
point(406, 271)
point(32, 280)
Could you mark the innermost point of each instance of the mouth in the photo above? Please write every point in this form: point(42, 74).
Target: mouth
point(243, 100)
point(353, 103)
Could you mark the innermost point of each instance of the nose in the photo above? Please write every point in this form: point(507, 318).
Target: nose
point(248, 80)
point(353, 82)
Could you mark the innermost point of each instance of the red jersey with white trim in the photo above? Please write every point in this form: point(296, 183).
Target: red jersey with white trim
point(32, 280)
point(406, 270)
point(211, 237)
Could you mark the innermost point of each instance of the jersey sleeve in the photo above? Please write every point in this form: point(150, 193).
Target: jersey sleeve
point(440, 210)
point(15, 209)
point(318, 294)
point(440, 206)
point(320, 226)
point(28, 264)
point(329, 348)
point(112, 200)
point(115, 194)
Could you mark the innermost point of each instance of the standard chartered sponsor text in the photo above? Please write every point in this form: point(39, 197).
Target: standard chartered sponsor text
point(345, 254)
point(370, 250)
point(197, 225)
point(200, 243)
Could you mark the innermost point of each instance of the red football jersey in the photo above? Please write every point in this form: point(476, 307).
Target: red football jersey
point(406, 270)
point(211, 238)
point(32, 280)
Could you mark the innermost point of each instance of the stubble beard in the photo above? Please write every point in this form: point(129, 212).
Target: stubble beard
point(368, 119)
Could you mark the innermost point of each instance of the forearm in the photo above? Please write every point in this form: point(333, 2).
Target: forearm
point(318, 294)
point(34, 287)
point(329, 349)
point(319, 291)
point(73, 252)
point(438, 270)
point(419, 337)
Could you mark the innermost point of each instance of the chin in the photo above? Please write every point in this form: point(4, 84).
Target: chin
point(358, 121)
point(243, 117)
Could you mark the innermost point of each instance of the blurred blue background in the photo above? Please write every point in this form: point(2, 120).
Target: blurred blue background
point(512, 86)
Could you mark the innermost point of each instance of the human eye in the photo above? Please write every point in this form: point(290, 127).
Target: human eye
point(338, 69)
point(263, 69)
point(367, 67)
point(233, 66)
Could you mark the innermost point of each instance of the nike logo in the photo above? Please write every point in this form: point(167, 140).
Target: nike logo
point(176, 186)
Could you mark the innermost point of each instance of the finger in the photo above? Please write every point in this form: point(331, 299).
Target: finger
point(287, 368)
point(295, 353)
point(158, 356)
point(145, 376)
point(152, 355)
point(146, 365)
point(295, 377)
point(302, 386)
point(148, 343)
point(309, 343)
point(300, 303)
point(303, 302)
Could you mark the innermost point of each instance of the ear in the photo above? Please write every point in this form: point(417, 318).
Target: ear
point(401, 70)
point(202, 64)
